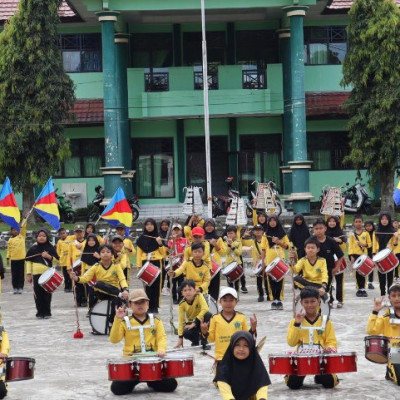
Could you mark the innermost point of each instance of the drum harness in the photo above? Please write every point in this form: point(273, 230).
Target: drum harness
point(311, 329)
point(141, 329)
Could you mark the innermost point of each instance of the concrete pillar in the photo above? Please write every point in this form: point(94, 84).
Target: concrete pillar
point(233, 151)
point(181, 159)
point(299, 164)
point(114, 167)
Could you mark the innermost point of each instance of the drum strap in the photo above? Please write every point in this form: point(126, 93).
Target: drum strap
point(1, 332)
point(258, 249)
point(392, 317)
point(311, 329)
point(141, 330)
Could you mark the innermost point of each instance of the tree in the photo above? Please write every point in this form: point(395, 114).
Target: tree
point(36, 96)
point(372, 68)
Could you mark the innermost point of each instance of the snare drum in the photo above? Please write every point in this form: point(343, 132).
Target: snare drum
point(148, 273)
point(215, 268)
point(99, 317)
point(174, 264)
point(258, 269)
point(77, 266)
point(233, 271)
point(377, 349)
point(178, 365)
point(281, 364)
point(335, 363)
point(363, 265)
point(342, 266)
point(122, 370)
point(386, 261)
point(308, 364)
point(149, 369)
point(277, 269)
point(50, 280)
point(19, 368)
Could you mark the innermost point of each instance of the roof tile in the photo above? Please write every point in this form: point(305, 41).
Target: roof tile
point(346, 4)
point(326, 104)
point(89, 111)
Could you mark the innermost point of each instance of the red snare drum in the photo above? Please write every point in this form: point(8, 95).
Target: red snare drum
point(308, 364)
point(174, 264)
point(233, 271)
point(122, 370)
point(342, 266)
point(363, 265)
point(19, 368)
point(178, 365)
point(335, 363)
point(281, 364)
point(215, 268)
point(277, 269)
point(77, 266)
point(148, 273)
point(50, 280)
point(92, 282)
point(377, 349)
point(386, 261)
point(258, 269)
point(149, 368)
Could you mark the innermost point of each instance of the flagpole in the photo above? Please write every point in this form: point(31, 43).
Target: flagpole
point(206, 109)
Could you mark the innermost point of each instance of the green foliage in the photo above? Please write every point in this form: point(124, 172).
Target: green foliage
point(35, 95)
point(372, 68)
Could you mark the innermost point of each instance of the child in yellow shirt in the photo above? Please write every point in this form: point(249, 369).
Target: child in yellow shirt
point(62, 249)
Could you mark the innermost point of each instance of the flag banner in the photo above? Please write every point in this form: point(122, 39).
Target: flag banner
point(9, 211)
point(396, 194)
point(118, 210)
point(46, 205)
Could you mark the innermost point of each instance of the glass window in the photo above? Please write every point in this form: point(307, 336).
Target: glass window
point(152, 50)
point(325, 45)
point(81, 52)
point(154, 176)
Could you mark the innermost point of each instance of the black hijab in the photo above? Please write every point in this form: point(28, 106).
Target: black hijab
point(93, 227)
point(210, 235)
point(277, 231)
point(163, 234)
point(386, 230)
point(265, 224)
point(38, 248)
point(299, 234)
point(336, 231)
point(245, 377)
point(148, 244)
point(87, 258)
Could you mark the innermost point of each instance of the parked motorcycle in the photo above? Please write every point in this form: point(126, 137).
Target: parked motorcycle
point(221, 204)
point(275, 194)
point(67, 213)
point(97, 207)
point(356, 199)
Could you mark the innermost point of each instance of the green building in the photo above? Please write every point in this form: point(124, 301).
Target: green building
point(274, 72)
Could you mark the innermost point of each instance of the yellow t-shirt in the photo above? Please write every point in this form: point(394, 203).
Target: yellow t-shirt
point(188, 312)
point(201, 275)
point(316, 273)
point(16, 249)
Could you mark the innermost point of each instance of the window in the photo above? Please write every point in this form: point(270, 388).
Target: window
point(87, 156)
point(325, 45)
point(327, 150)
point(81, 52)
point(152, 50)
point(154, 176)
point(259, 160)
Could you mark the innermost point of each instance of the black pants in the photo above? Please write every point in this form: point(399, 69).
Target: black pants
point(67, 279)
point(385, 281)
point(235, 284)
point(125, 387)
point(3, 389)
point(339, 278)
point(213, 288)
point(42, 298)
point(296, 382)
point(194, 334)
point(275, 291)
point(163, 274)
point(153, 291)
point(301, 283)
point(115, 302)
point(17, 274)
point(176, 283)
point(360, 279)
point(261, 284)
point(80, 294)
point(91, 297)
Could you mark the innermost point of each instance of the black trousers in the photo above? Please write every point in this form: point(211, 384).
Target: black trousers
point(296, 382)
point(17, 274)
point(42, 298)
point(261, 285)
point(153, 291)
point(213, 288)
point(67, 279)
point(360, 279)
point(125, 387)
point(275, 291)
point(194, 334)
point(115, 302)
point(385, 281)
point(235, 284)
point(176, 283)
point(339, 288)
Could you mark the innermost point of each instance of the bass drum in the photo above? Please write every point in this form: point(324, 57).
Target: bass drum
point(99, 317)
point(212, 304)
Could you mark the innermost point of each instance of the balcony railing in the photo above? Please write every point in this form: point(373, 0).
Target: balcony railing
point(253, 79)
point(156, 81)
point(212, 79)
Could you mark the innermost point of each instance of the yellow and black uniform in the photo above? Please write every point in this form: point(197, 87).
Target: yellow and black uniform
point(192, 313)
point(206, 257)
point(129, 251)
point(187, 229)
point(396, 250)
point(358, 249)
point(311, 274)
point(4, 349)
point(200, 274)
point(155, 340)
point(62, 249)
point(16, 254)
point(298, 335)
point(382, 326)
point(233, 253)
point(75, 253)
point(221, 331)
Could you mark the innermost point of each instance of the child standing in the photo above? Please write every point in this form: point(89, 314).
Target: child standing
point(298, 235)
point(193, 309)
point(4, 351)
point(369, 226)
point(396, 250)
point(233, 247)
point(191, 223)
point(359, 242)
point(241, 373)
point(62, 249)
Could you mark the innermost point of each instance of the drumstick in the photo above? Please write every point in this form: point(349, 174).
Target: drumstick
point(261, 344)
point(34, 255)
point(165, 240)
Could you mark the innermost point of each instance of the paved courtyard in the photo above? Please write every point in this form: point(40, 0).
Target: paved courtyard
point(68, 368)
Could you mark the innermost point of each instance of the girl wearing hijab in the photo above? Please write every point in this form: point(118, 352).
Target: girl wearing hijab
point(241, 374)
point(298, 234)
point(192, 222)
point(38, 259)
point(260, 218)
point(369, 226)
point(163, 231)
point(385, 236)
point(150, 248)
point(217, 248)
point(334, 231)
point(277, 242)
point(91, 229)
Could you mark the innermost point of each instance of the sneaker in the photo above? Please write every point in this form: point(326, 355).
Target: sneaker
point(339, 305)
point(359, 293)
point(195, 344)
point(206, 347)
point(39, 316)
point(165, 292)
point(47, 317)
point(324, 297)
point(364, 293)
point(243, 289)
point(176, 301)
point(15, 291)
point(317, 380)
point(20, 291)
point(333, 288)
point(279, 305)
point(260, 299)
point(274, 305)
point(371, 285)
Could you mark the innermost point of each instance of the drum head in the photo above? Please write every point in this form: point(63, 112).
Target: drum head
point(148, 360)
point(272, 264)
point(98, 317)
point(178, 356)
point(212, 304)
point(360, 260)
point(229, 268)
point(46, 276)
point(381, 255)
